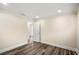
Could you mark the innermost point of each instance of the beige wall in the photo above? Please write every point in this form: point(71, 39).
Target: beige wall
point(13, 30)
point(78, 30)
point(59, 30)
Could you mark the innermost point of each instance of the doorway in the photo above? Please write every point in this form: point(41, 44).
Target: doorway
point(36, 32)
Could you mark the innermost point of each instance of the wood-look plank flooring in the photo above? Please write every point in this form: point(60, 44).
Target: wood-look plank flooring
point(38, 48)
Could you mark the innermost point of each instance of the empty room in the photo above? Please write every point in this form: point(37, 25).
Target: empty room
point(39, 28)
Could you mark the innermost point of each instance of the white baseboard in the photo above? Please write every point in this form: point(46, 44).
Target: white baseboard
point(12, 47)
point(15, 46)
point(65, 47)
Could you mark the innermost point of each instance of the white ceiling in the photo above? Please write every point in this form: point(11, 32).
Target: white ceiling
point(40, 9)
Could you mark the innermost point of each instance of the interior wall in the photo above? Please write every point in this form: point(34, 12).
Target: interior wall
point(59, 30)
point(78, 30)
point(13, 30)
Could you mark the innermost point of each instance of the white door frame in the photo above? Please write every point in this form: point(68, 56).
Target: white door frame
point(38, 38)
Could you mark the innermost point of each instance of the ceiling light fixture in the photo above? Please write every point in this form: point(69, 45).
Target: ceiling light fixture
point(59, 11)
point(36, 16)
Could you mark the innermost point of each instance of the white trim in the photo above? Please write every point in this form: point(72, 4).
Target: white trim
point(12, 47)
point(15, 46)
point(65, 47)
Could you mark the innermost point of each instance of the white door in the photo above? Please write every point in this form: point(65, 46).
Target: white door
point(36, 32)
